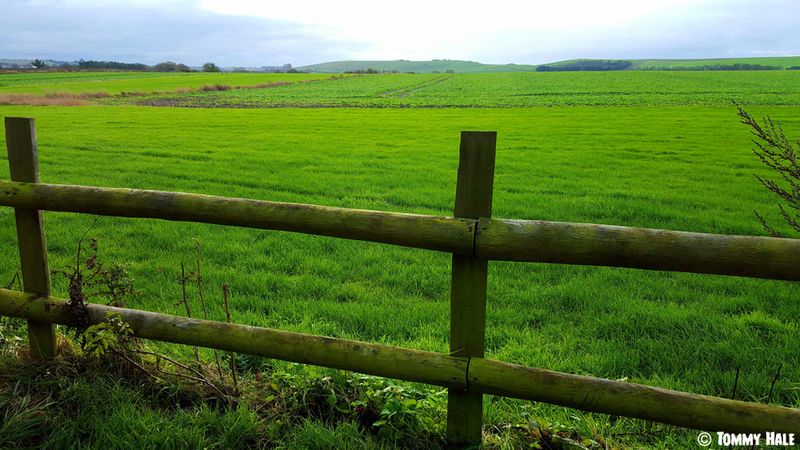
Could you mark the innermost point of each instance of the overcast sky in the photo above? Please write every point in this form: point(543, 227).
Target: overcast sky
point(256, 33)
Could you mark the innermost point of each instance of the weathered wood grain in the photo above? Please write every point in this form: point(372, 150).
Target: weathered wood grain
point(700, 412)
point(23, 161)
point(373, 359)
point(468, 284)
point(641, 248)
point(496, 239)
point(410, 230)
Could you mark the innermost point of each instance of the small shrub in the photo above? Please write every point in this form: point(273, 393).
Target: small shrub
point(215, 87)
point(112, 334)
point(132, 94)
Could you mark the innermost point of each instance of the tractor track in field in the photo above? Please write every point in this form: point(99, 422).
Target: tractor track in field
point(410, 89)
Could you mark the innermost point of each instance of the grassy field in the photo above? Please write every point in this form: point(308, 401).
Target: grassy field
point(114, 83)
point(776, 61)
point(676, 165)
point(514, 90)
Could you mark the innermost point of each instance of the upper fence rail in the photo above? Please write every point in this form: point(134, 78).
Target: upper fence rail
point(491, 239)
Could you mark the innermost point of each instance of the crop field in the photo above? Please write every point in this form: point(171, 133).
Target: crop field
point(665, 150)
point(777, 61)
point(515, 90)
point(114, 83)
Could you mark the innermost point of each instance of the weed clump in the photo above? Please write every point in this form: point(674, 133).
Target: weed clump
point(780, 154)
point(215, 87)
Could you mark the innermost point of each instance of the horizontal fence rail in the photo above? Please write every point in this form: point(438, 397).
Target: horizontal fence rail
point(411, 230)
point(476, 374)
point(493, 239)
point(639, 248)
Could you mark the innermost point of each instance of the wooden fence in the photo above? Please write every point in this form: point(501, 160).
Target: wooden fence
point(472, 237)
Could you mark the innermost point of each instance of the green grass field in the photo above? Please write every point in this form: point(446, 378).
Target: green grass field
point(626, 88)
point(670, 161)
point(776, 61)
point(117, 82)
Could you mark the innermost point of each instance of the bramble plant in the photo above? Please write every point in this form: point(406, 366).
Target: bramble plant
point(109, 335)
point(109, 281)
point(780, 154)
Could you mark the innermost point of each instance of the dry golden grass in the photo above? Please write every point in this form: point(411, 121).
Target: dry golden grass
point(51, 99)
point(61, 99)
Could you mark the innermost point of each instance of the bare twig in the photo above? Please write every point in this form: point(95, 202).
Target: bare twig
point(232, 359)
point(735, 384)
point(199, 377)
point(80, 243)
point(16, 279)
point(774, 380)
point(186, 305)
point(199, 280)
point(137, 365)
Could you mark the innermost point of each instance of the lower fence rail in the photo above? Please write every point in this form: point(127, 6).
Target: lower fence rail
point(470, 374)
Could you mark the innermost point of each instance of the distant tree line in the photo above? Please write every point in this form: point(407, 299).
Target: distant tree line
point(166, 66)
point(365, 71)
point(586, 66)
point(111, 65)
point(372, 71)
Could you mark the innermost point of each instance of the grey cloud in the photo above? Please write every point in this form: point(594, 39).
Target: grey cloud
point(183, 33)
point(716, 29)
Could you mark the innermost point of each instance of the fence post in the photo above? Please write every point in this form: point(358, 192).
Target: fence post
point(23, 161)
point(468, 288)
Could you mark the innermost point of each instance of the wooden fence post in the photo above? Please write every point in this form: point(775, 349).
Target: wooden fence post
point(23, 161)
point(468, 288)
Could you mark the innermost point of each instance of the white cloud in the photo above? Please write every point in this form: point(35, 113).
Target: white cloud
point(428, 29)
point(449, 15)
point(251, 32)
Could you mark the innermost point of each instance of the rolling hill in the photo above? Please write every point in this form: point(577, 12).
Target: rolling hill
point(444, 65)
point(403, 65)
